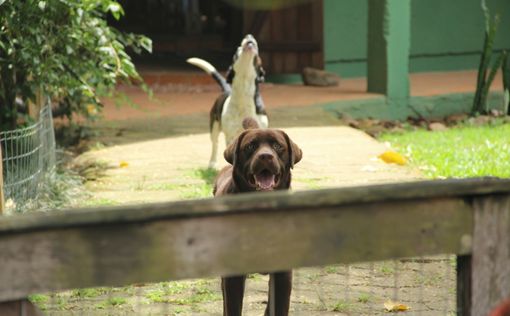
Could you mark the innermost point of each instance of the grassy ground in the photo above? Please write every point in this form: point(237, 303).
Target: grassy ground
point(465, 151)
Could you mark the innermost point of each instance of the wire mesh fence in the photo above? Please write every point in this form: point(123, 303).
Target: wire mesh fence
point(421, 286)
point(28, 158)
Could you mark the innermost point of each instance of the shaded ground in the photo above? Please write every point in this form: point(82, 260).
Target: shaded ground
point(163, 157)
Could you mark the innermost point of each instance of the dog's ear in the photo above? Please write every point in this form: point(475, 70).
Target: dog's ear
point(295, 153)
point(261, 73)
point(231, 153)
point(230, 74)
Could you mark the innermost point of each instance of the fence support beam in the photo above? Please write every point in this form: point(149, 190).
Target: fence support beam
point(264, 232)
point(491, 253)
point(19, 308)
point(464, 285)
point(389, 37)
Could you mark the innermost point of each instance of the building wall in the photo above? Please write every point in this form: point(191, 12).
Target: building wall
point(445, 34)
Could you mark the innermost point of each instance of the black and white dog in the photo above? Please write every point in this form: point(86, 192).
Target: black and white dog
point(240, 98)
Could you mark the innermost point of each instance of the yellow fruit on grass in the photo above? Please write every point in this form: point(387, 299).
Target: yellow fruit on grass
point(393, 157)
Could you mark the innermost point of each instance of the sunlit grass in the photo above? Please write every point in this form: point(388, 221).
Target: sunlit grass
point(467, 151)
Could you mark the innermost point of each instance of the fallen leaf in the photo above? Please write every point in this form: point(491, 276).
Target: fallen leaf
point(123, 164)
point(392, 157)
point(391, 306)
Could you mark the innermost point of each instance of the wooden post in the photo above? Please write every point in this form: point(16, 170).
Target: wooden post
point(19, 308)
point(491, 253)
point(2, 202)
point(464, 285)
point(34, 108)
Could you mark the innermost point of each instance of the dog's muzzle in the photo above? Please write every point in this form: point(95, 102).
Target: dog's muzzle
point(265, 174)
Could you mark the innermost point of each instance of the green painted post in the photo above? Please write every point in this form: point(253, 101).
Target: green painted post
point(389, 38)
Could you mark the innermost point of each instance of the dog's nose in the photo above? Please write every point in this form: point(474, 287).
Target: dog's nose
point(265, 157)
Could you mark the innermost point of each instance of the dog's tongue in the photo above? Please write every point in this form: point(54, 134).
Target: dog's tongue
point(265, 180)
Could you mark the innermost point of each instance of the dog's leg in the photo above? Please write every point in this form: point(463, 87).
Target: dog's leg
point(280, 287)
point(263, 120)
point(215, 133)
point(233, 292)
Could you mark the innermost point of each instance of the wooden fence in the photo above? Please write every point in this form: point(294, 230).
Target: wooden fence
point(116, 246)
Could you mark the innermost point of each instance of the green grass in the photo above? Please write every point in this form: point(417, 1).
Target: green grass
point(198, 185)
point(311, 183)
point(331, 269)
point(89, 292)
point(386, 269)
point(39, 298)
point(200, 294)
point(111, 302)
point(342, 307)
point(206, 174)
point(461, 152)
point(364, 298)
point(166, 290)
point(99, 202)
point(204, 188)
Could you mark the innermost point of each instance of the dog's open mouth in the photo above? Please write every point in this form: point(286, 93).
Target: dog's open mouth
point(249, 45)
point(264, 180)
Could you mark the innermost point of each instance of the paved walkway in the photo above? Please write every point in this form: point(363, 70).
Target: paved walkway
point(163, 169)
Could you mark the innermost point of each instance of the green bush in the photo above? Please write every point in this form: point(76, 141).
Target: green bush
point(65, 50)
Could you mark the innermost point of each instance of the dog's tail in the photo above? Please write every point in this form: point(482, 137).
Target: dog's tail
point(207, 67)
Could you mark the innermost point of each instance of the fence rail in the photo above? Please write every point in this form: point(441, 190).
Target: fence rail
point(262, 232)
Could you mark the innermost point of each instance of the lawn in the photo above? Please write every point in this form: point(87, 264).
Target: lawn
point(460, 152)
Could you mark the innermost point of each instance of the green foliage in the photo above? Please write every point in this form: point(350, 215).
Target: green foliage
point(484, 79)
point(462, 152)
point(65, 50)
point(39, 298)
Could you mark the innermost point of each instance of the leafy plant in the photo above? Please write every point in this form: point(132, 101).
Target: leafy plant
point(64, 50)
point(486, 75)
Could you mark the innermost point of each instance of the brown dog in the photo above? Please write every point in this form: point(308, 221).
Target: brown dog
point(261, 160)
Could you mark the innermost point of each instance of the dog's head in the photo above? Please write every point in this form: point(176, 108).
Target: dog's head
point(262, 159)
point(246, 62)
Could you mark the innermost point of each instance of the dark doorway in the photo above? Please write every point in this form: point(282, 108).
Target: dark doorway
point(289, 38)
point(210, 29)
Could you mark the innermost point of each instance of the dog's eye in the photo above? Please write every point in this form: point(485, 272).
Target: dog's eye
point(251, 147)
point(277, 147)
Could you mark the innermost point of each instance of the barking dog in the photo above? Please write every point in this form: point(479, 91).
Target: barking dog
point(260, 160)
point(240, 97)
